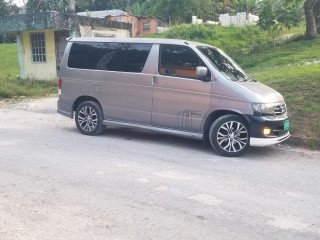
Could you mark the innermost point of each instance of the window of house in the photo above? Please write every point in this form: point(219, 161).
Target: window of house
point(146, 26)
point(122, 57)
point(38, 47)
point(180, 61)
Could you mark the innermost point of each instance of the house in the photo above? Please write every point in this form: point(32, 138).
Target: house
point(41, 38)
point(140, 25)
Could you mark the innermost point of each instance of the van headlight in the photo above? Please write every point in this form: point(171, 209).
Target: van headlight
point(262, 109)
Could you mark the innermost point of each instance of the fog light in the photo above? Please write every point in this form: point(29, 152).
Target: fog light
point(267, 131)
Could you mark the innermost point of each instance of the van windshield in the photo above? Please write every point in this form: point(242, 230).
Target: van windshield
point(224, 64)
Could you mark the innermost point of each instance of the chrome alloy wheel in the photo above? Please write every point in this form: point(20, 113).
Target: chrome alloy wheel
point(232, 136)
point(87, 118)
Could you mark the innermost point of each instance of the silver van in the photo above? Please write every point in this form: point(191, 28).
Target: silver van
point(172, 86)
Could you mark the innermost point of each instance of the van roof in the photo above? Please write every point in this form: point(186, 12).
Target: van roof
point(137, 40)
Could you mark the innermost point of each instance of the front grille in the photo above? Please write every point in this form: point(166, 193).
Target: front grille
point(280, 110)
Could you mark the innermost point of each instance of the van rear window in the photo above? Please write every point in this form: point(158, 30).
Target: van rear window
point(123, 57)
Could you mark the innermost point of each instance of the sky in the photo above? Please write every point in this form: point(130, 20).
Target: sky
point(19, 2)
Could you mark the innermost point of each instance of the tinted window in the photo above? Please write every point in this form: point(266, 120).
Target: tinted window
point(124, 57)
point(179, 61)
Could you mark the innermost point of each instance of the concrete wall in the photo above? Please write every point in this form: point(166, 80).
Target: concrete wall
point(153, 26)
point(137, 24)
point(238, 20)
point(127, 19)
point(89, 31)
point(38, 70)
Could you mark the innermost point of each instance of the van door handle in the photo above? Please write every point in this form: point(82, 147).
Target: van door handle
point(155, 80)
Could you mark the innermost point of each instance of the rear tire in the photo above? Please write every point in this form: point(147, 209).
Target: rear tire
point(89, 118)
point(229, 135)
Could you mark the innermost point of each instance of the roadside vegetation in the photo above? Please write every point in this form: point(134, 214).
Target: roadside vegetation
point(11, 86)
point(289, 64)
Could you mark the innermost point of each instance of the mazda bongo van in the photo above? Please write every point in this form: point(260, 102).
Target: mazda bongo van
point(172, 86)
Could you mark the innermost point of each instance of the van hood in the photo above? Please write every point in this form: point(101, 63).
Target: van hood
point(260, 93)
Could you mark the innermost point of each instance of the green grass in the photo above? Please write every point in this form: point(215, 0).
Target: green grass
point(290, 53)
point(9, 66)
point(10, 85)
point(300, 85)
point(13, 88)
point(293, 69)
point(236, 41)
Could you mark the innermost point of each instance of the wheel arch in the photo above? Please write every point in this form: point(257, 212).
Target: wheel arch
point(82, 99)
point(219, 113)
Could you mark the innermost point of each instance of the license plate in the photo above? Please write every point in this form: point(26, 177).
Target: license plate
point(286, 125)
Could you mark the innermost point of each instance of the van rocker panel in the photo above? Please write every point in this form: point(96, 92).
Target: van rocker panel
point(193, 135)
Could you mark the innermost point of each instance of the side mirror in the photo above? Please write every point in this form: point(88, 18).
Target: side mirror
point(202, 73)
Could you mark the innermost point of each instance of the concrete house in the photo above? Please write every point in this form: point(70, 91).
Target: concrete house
point(41, 38)
point(141, 25)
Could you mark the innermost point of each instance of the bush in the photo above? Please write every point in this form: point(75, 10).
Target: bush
point(191, 32)
point(235, 41)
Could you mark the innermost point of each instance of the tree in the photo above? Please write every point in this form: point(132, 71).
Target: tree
point(8, 8)
point(224, 6)
point(4, 8)
point(173, 11)
point(202, 9)
point(34, 6)
point(136, 9)
point(290, 13)
point(312, 14)
point(285, 13)
point(248, 6)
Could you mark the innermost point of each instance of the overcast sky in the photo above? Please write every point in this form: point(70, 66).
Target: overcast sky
point(19, 2)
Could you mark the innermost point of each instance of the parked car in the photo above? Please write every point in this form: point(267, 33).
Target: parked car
point(172, 86)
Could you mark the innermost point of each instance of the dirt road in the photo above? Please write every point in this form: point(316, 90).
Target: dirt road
point(126, 184)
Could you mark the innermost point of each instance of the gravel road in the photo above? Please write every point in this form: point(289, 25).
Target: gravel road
point(56, 183)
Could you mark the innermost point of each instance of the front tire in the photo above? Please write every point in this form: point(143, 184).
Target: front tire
point(89, 118)
point(229, 135)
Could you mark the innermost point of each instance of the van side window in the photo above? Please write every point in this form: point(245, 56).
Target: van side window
point(123, 57)
point(180, 61)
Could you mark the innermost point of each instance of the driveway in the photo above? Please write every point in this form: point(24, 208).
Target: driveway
point(56, 183)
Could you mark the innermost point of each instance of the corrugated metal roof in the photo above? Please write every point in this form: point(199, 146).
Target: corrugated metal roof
point(103, 14)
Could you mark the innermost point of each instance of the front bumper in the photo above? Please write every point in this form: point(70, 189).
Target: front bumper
point(278, 132)
point(261, 142)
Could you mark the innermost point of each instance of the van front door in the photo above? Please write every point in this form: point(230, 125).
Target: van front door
point(180, 100)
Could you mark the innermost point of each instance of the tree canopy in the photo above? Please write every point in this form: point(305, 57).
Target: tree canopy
point(8, 8)
point(288, 13)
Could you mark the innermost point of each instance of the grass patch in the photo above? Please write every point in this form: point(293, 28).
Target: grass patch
point(12, 87)
point(290, 53)
point(9, 66)
point(236, 41)
point(292, 69)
